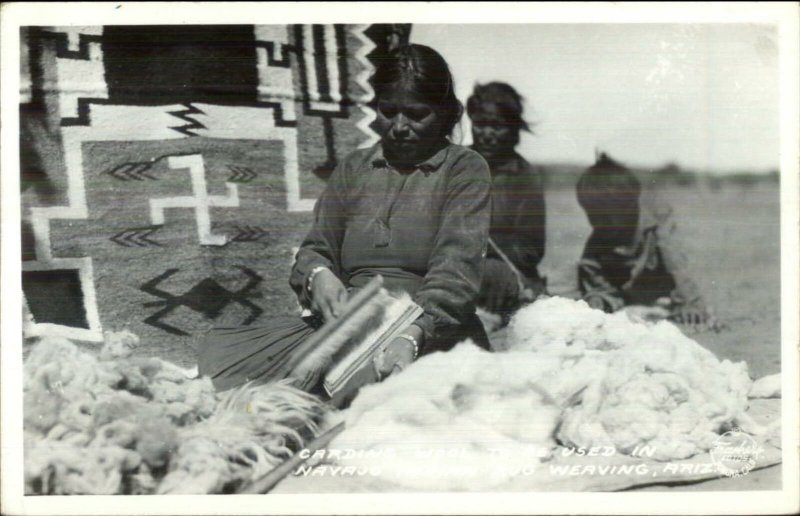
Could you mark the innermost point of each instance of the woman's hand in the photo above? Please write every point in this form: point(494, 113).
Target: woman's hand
point(328, 295)
point(398, 354)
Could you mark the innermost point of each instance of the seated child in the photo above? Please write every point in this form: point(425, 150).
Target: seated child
point(631, 257)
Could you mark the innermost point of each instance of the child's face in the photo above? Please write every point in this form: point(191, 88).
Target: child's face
point(618, 221)
point(409, 126)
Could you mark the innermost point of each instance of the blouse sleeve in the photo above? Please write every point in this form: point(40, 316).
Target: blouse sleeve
point(322, 246)
point(452, 283)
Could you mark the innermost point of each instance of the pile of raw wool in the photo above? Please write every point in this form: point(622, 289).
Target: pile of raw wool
point(640, 384)
point(462, 419)
point(571, 376)
point(120, 424)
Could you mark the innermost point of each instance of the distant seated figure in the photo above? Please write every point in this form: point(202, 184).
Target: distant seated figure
point(517, 229)
point(632, 256)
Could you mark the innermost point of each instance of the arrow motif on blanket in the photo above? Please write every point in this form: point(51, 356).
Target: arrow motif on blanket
point(137, 170)
point(249, 234)
point(241, 174)
point(136, 237)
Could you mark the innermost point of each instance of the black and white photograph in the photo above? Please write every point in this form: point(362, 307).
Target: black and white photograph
point(401, 258)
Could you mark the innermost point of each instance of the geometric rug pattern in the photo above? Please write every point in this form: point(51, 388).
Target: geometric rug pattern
point(169, 172)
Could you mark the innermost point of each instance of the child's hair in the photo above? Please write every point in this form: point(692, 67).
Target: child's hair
point(608, 185)
point(422, 71)
point(504, 97)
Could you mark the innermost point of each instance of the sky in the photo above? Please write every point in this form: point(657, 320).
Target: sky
point(703, 96)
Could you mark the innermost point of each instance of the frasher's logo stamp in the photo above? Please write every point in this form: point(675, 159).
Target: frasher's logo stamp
point(735, 453)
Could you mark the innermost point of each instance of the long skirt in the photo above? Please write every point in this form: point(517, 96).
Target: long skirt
point(235, 356)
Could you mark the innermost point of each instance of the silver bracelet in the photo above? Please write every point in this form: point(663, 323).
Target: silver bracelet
point(413, 341)
point(313, 273)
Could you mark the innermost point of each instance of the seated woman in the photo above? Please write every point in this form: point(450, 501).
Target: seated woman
point(413, 208)
point(518, 202)
point(632, 256)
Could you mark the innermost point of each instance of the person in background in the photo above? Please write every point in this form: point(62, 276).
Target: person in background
point(632, 256)
point(517, 231)
point(414, 209)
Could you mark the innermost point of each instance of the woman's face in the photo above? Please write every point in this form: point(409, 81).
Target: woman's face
point(492, 134)
point(409, 126)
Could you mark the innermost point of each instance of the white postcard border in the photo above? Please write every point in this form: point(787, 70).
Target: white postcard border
point(14, 15)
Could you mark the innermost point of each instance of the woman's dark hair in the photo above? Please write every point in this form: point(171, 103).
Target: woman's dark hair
point(504, 97)
point(608, 186)
point(422, 71)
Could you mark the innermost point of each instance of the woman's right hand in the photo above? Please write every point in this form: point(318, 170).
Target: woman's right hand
point(328, 295)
